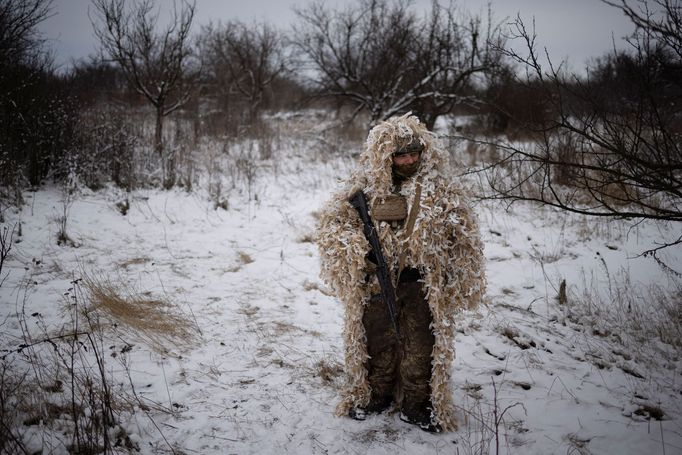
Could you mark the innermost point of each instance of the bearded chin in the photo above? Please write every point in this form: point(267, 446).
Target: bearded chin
point(405, 171)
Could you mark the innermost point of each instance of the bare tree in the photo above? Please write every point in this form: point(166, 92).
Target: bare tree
point(456, 52)
point(19, 38)
point(243, 61)
point(34, 112)
point(157, 63)
point(612, 144)
point(658, 19)
point(380, 57)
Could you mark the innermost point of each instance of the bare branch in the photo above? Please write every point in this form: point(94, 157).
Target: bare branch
point(6, 237)
point(19, 37)
point(380, 57)
point(244, 61)
point(157, 63)
point(607, 145)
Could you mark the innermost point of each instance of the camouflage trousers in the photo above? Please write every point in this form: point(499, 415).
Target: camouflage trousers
point(400, 370)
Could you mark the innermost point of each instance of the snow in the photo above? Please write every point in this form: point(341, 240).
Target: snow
point(260, 371)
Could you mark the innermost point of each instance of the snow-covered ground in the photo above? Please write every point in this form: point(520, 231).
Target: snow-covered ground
point(259, 370)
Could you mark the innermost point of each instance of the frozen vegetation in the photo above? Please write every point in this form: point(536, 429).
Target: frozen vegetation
point(195, 322)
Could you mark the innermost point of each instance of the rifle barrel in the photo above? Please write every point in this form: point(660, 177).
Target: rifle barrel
point(359, 202)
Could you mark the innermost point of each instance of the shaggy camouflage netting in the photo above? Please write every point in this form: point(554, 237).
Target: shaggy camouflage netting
point(445, 246)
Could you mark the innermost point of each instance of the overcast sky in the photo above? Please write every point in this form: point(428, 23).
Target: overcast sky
point(573, 30)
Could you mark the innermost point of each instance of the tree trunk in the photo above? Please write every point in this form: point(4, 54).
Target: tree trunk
point(158, 132)
point(167, 165)
point(430, 121)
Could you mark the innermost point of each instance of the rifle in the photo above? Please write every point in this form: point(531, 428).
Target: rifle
point(359, 203)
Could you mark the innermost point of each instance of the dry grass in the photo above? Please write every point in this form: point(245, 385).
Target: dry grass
point(312, 286)
point(650, 411)
point(328, 370)
point(519, 339)
point(58, 392)
point(308, 237)
point(281, 328)
point(640, 325)
point(156, 320)
point(245, 258)
point(134, 261)
point(487, 427)
point(577, 445)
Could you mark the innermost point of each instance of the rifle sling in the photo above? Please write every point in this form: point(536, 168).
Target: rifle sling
point(412, 218)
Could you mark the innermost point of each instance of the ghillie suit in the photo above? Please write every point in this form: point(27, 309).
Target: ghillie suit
point(444, 248)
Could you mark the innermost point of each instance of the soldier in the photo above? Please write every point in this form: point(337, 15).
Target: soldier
point(431, 244)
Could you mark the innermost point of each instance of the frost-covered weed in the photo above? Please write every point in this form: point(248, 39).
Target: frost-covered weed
point(644, 321)
point(58, 394)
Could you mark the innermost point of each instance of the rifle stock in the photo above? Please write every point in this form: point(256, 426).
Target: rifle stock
point(359, 203)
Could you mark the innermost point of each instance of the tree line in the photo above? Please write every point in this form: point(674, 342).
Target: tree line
point(611, 135)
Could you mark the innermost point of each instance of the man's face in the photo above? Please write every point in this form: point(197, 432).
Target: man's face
point(406, 159)
point(406, 165)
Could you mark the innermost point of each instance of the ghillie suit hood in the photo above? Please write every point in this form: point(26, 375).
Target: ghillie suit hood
point(444, 245)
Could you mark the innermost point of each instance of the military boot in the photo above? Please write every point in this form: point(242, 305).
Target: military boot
point(422, 417)
point(376, 405)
